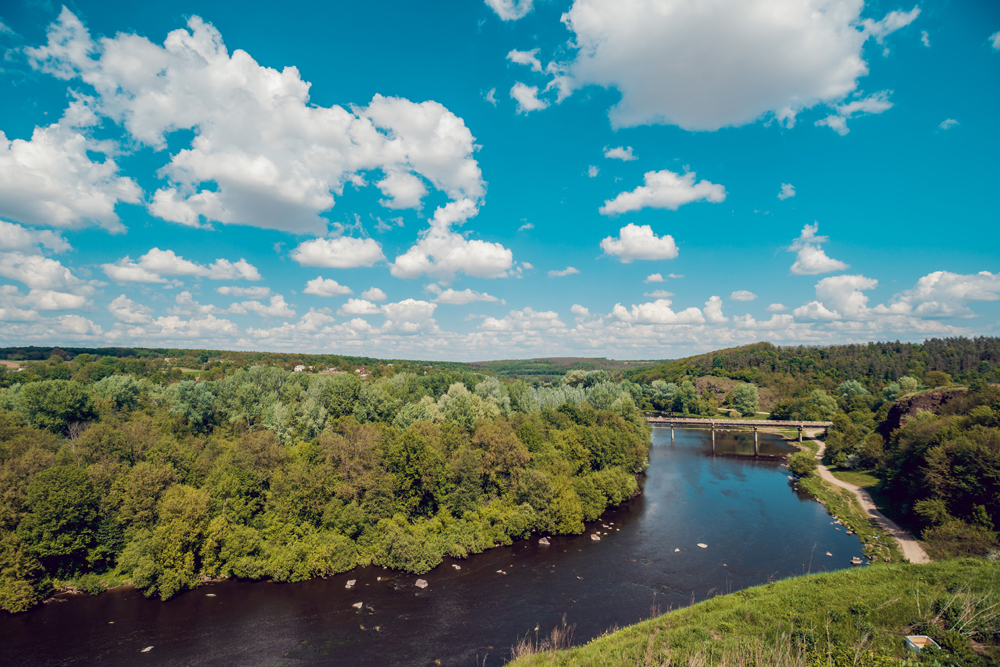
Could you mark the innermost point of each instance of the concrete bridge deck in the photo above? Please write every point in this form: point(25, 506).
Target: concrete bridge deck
point(755, 423)
point(735, 423)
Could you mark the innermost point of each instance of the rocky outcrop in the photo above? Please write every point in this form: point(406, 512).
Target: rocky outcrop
point(908, 406)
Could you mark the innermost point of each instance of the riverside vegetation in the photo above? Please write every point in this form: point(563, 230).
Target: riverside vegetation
point(266, 473)
point(114, 467)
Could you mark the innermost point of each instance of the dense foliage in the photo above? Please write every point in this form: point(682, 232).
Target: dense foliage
point(794, 371)
point(266, 473)
point(939, 471)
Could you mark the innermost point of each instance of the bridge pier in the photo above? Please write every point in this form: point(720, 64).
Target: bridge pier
point(800, 434)
point(713, 437)
point(671, 434)
point(755, 447)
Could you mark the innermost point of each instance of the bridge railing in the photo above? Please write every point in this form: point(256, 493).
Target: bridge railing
point(758, 423)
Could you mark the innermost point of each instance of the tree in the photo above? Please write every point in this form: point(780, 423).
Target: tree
point(61, 520)
point(745, 400)
point(194, 401)
point(907, 385)
point(122, 391)
point(661, 394)
point(802, 464)
point(685, 397)
point(937, 379)
point(851, 389)
point(54, 404)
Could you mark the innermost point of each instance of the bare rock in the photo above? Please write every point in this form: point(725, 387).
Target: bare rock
point(421, 583)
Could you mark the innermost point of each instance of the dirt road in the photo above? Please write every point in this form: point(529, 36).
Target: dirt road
point(911, 548)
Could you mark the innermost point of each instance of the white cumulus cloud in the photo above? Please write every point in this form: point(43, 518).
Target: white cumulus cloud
point(374, 294)
point(529, 58)
point(562, 273)
point(657, 312)
point(125, 310)
point(50, 179)
point(441, 252)
point(252, 292)
point(665, 189)
point(713, 311)
point(720, 63)
point(343, 252)
point(276, 160)
point(321, 286)
point(276, 308)
point(527, 98)
point(620, 153)
point(742, 295)
point(787, 191)
point(463, 297)
point(639, 242)
point(810, 258)
point(873, 104)
point(359, 307)
point(525, 319)
point(510, 10)
point(151, 267)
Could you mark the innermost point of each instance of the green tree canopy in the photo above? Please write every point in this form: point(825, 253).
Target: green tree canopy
point(62, 517)
point(745, 399)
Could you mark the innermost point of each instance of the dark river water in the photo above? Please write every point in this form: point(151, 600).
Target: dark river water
point(755, 526)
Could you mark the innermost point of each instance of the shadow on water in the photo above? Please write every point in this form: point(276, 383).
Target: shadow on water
point(754, 527)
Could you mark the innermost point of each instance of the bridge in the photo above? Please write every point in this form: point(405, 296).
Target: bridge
point(734, 423)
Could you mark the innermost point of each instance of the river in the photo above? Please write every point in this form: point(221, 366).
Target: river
point(756, 528)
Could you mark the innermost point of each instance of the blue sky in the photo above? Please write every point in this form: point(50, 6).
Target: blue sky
point(633, 179)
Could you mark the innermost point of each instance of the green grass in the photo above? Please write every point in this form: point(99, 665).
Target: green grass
point(852, 617)
point(844, 505)
point(863, 478)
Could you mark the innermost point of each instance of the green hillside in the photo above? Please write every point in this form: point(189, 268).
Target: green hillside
point(853, 617)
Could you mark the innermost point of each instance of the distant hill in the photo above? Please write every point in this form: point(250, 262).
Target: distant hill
point(789, 369)
point(549, 368)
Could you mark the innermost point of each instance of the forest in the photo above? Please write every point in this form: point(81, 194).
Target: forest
point(793, 371)
point(168, 471)
point(269, 473)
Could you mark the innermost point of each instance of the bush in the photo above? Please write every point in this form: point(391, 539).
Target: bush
point(802, 464)
point(955, 539)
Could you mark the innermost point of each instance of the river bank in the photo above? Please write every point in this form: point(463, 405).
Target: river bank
point(755, 529)
point(860, 615)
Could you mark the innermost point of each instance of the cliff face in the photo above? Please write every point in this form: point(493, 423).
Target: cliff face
point(908, 406)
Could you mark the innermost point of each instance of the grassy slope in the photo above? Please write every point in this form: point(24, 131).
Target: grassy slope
point(866, 609)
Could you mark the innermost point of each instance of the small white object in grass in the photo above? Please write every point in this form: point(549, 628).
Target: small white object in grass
point(702, 545)
point(358, 605)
